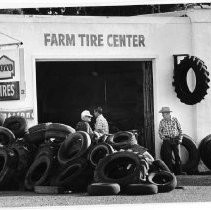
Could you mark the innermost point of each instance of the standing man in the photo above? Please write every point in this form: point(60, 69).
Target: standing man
point(101, 125)
point(171, 133)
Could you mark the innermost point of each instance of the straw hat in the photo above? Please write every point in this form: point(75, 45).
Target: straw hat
point(165, 109)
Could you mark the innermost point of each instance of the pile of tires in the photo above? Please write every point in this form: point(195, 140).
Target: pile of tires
point(54, 158)
point(205, 151)
point(16, 154)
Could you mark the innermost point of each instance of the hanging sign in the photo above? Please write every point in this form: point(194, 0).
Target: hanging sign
point(9, 91)
point(7, 68)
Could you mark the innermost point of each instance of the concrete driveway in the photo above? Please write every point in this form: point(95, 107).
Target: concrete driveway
point(197, 189)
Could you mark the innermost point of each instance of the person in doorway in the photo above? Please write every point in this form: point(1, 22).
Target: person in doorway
point(101, 125)
point(84, 125)
point(171, 133)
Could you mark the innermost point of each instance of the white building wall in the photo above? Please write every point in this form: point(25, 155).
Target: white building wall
point(164, 37)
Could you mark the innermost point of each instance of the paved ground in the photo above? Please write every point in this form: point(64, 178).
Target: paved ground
point(196, 189)
point(23, 199)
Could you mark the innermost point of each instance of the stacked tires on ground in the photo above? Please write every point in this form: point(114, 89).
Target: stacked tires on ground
point(54, 158)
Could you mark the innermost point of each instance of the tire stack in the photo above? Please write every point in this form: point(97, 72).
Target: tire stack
point(205, 151)
point(53, 158)
point(47, 137)
point(16, 153)
point(125, 170)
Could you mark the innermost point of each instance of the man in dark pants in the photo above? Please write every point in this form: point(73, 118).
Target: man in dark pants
point(171, 133)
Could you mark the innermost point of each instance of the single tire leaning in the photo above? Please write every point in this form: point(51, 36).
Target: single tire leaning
point(17, 124)
point(204, 152)
point(39, 172)
point(121, 139)
point(103, 189)
point(75, 175)
point(98, 152)
point(141, 189)
point(165, 180)
point(73, 147)
point(208, 157)
point(121, 167)
point(6, 136)
point(193, 160)
point(180, 80)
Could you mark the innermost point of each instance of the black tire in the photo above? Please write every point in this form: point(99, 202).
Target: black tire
point(60, 127)
point(165, 180)
point(121, 167)
point(121, 139)
point(41, 126)
point(6, 136)
point(97, 189)
point(57, 135)
point(193, 160)
point(180, 81)
point(191, 165)
point(8, 165)
point(49, 190)
point(141, 189)
point(158, 165)
point(203, 150)
point(39, 172)
point(73, 147)
point(48, 149)
point(36, 138)
point(25, 155)
point(98, 152)
point(75, 175)
point(17, 124)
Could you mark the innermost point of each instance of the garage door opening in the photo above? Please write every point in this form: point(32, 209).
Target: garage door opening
point(122, 88)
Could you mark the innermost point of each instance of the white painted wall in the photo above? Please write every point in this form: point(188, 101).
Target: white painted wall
point(165, 36)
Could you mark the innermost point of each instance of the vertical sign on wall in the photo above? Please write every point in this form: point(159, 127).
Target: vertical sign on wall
point(10, 74)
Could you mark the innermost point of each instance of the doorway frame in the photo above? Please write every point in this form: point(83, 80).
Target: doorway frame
point(40, 58)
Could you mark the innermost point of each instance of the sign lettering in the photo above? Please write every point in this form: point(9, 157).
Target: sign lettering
point(27, 113)
point(9, 91)
point(94, 40)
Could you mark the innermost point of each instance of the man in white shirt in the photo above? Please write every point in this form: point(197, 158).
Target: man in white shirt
point(101, 125)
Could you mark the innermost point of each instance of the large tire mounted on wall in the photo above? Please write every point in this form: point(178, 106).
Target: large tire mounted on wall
point(180, 80)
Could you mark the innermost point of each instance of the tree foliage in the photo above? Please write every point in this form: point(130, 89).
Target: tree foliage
point(104, 11)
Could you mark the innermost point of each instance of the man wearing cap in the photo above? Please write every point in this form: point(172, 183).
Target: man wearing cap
point(83, 125)
point(171, 133)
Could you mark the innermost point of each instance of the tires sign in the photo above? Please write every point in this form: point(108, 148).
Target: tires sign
point(9, 91)
point(7, 68)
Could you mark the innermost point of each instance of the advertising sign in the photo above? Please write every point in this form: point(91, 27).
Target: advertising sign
point(7, 68)
point(27, 113)
point(9, 91)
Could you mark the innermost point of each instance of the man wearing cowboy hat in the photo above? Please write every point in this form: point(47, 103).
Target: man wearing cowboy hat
point(171, 133)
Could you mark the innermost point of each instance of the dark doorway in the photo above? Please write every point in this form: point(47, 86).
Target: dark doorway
point(123, 89)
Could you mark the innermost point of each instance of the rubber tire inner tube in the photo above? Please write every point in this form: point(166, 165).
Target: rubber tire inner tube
point(96, 189)
point(122, 167)
point(165, 180)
